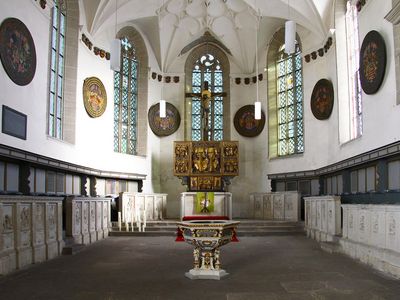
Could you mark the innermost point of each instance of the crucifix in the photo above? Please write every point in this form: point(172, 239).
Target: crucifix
point(206, 97)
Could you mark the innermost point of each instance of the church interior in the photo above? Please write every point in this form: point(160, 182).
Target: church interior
point(266, 122)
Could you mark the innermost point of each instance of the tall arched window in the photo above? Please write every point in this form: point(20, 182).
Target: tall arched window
point(353, 61)
point(285, 94)
point(207, 62)
point(208, 68)
point(56, 103)
point(290, 102)
point(125, 100)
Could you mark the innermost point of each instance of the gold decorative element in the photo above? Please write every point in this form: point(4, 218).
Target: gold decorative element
point(94, 97)
point(205, 163)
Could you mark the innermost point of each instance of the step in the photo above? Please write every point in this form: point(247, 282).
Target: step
point(146, 233)
point(72, 249)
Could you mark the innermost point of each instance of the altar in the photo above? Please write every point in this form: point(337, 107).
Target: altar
point(222, 205)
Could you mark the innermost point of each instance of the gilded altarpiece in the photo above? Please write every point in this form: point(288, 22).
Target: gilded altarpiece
point(206, 165)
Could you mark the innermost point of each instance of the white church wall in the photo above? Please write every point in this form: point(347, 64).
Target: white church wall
point(94, 136)
point(252, 151)
point(380, 112)
point(174, 94)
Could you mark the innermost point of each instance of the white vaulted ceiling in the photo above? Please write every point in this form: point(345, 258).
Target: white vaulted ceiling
point(170, 25)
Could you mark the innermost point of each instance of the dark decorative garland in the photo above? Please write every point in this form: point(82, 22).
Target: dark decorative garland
point(42, 3)
point(320, 51)
point(167, 79)
point(247, 80)
point(97, 51)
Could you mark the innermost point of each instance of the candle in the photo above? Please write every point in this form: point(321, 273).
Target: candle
point(133, 227)
point(119, 221)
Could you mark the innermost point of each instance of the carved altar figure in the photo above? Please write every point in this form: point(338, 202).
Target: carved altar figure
point(206, 97)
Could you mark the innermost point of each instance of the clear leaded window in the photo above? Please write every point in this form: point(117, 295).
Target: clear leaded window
point(290, 102)
point(55, 117)
point(208, 68)
point(125, 100)
point(353, 61)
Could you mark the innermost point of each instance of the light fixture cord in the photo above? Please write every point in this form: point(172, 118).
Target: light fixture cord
point(116, 15)
point(257, 28)
point(162, 60)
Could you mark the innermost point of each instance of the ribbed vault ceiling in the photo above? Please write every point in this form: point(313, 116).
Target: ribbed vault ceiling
point(170, 25)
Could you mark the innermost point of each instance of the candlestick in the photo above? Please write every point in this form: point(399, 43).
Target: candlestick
point(119, 221)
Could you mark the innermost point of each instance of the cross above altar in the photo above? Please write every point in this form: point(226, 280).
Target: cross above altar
point(206, 97)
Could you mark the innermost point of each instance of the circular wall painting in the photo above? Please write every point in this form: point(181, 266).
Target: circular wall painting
point(164, 126)
point(322, 99)
point(246, 124)
point(372, 62)
point(17, 51)
point(94, 97)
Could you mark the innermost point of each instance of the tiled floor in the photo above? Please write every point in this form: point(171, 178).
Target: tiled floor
point(277, 267)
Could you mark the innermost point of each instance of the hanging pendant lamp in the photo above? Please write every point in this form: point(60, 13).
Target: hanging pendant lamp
point(115, 48)
point(257, 103)
point(290, 34)
point(163, 103)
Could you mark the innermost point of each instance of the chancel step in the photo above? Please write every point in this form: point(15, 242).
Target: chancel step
point(245, 228)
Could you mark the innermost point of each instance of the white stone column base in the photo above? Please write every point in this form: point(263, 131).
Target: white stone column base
point(206, 274)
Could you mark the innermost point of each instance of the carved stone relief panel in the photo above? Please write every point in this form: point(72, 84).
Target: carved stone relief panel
point(25, 225)
point(105, 215)
point(149, 202)
point(258, 213)
point(391, 225)
point(378, 227)
point(85, 215)
point(319, 215)
point(8, 227)
point(279, 207)
point(25, 217)
point(77, 218)
point(92, 210)
point(39, 223)
point(98, 214)
point(308, 214)
point(324, 218)
point(268, 213)
point(289, 208)
point(39, 207)
point(330, 220)
point(52, 221)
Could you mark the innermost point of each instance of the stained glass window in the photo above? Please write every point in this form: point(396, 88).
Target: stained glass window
point(208, 68)
point(353, 58)
point(125, 100)
point(290, 102)
point(56, 109)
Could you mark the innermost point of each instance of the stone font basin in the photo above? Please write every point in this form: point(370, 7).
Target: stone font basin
point(207, 236)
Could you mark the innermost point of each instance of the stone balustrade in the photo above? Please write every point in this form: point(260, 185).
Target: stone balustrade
point(87, 219)
point(30, 230)
point(322, 217)
point(284, 206)
point(371, 233)
point(130, 204)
